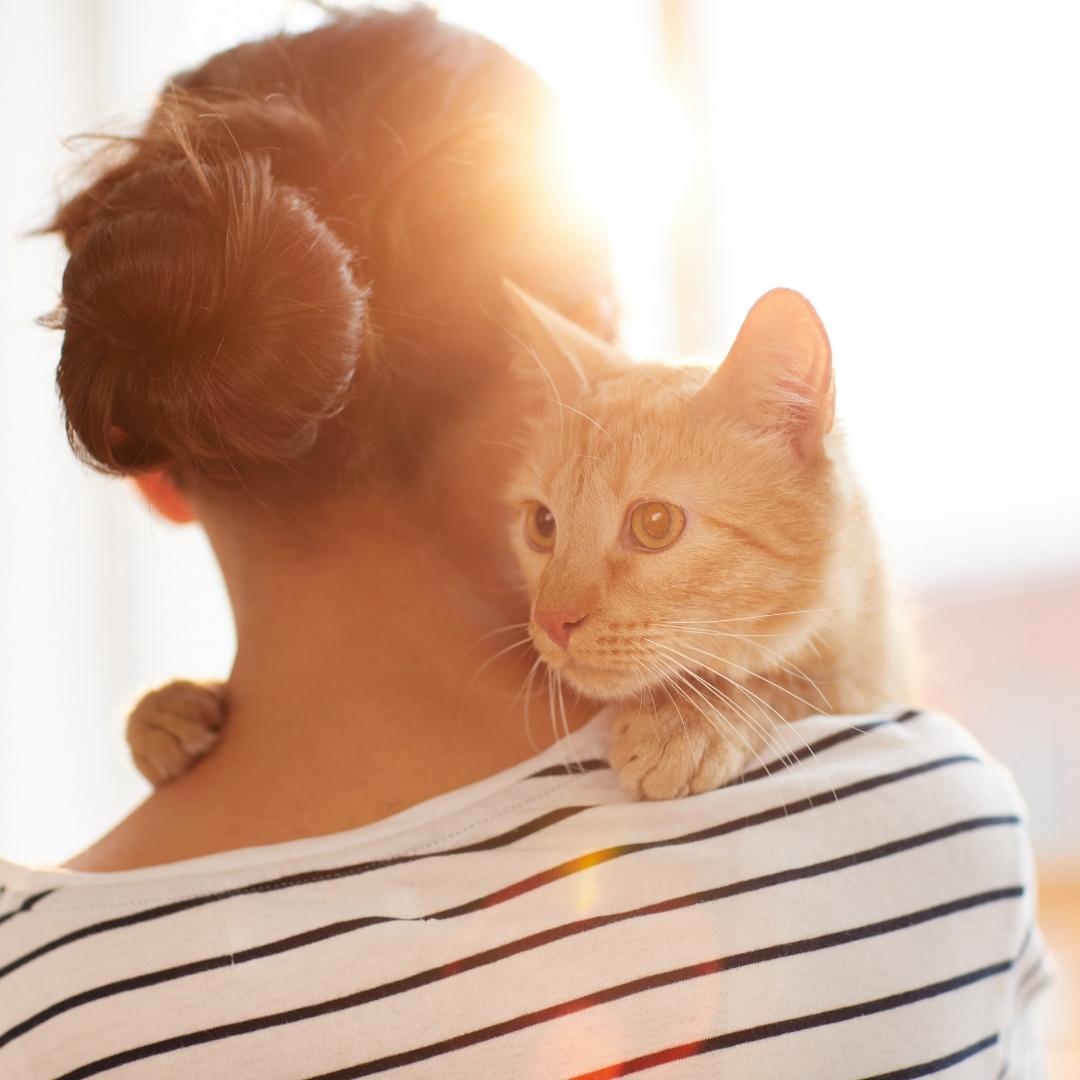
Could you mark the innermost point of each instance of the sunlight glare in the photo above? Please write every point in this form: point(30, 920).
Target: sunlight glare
point(628, 152)
point(625, 158)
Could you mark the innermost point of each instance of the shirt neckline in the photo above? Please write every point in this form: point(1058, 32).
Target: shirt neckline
point(588, 740)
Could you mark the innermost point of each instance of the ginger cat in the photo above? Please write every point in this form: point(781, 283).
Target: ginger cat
point(694, 546)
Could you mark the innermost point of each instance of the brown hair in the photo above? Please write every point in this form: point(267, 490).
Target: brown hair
point(297, 264)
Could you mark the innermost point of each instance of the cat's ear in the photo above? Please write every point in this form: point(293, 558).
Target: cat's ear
point(568, 354)
point(778, 376)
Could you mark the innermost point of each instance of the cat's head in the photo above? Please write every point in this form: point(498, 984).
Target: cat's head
point(670, 517)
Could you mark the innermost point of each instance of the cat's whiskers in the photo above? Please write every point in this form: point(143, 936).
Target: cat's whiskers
point(787, 665)
point(766, 728)
point(781, 614)
point(696, 676)
point(680, 686)
point(554, 724)
point(701, 628)
point(698, 663)
point(586, 416)
point(882, 737)
point(710, 713)
point(748, 671)
point(550, 384)
point(678, 713)
point(491, 633)
point(788, 726)
point(768, 732)
point(491, 660)
point(764, 615)
point(656, 670)
point(866, 602)
point(750, 693)
point(526, 688)
point(700, 708)
point(782, 721)
point(565, 723)
point(879, 736)
point(762, 729)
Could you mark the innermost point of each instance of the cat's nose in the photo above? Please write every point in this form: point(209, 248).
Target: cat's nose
point(559, 625)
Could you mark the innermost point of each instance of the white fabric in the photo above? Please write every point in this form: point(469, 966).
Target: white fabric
point(866, 910)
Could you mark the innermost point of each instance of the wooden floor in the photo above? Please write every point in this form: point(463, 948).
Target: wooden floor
point(1059, 916)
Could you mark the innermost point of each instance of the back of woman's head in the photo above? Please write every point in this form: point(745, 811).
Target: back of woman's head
point(294, 272)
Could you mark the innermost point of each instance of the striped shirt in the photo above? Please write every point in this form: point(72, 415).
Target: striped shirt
point(862, 907)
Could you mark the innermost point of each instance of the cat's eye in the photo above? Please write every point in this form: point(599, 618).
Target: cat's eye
point(656, 525)
point(539, 526)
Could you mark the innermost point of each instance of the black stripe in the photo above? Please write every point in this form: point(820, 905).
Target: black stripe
point(813, 749)
point(27, 904)
point(571, 768)
point(536, 881)
point(614, 993)
point(513, 948)
point(667, 978)
point(552, 817)
point(759, 773)
point(927, 1068)
point(798, 1023)
point(293, 880)
point(775, 813)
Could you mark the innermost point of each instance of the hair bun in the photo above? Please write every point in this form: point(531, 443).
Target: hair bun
point(211, 321)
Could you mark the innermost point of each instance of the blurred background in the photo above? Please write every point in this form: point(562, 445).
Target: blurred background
point(912, 168)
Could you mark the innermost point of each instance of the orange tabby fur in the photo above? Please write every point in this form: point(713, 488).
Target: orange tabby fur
point(172, 727)
point(770, 606)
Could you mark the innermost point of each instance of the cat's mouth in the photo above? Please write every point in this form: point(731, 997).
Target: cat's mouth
point(603, 677)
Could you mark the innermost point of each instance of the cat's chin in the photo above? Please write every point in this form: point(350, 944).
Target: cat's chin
point(600, 683)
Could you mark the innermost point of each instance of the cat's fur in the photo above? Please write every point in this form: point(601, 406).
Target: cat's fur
point(771, 605)
point(172, 727)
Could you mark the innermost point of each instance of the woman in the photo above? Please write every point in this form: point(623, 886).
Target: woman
point(283, 316)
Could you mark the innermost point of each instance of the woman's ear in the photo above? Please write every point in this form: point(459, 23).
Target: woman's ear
point(160, 491)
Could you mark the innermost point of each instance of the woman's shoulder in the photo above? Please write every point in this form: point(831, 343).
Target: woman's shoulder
point(829, 779)
point(820, 779)
point(861, 898)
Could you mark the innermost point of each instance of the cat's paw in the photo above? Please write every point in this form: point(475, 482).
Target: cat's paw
point(665, 754)
point(171, 728)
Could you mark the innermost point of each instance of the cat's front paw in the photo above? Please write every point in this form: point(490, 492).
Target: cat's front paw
point(171, 728)
point(666, 754)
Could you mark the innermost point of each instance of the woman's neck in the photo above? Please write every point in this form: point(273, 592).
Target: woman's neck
point(366, 680)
